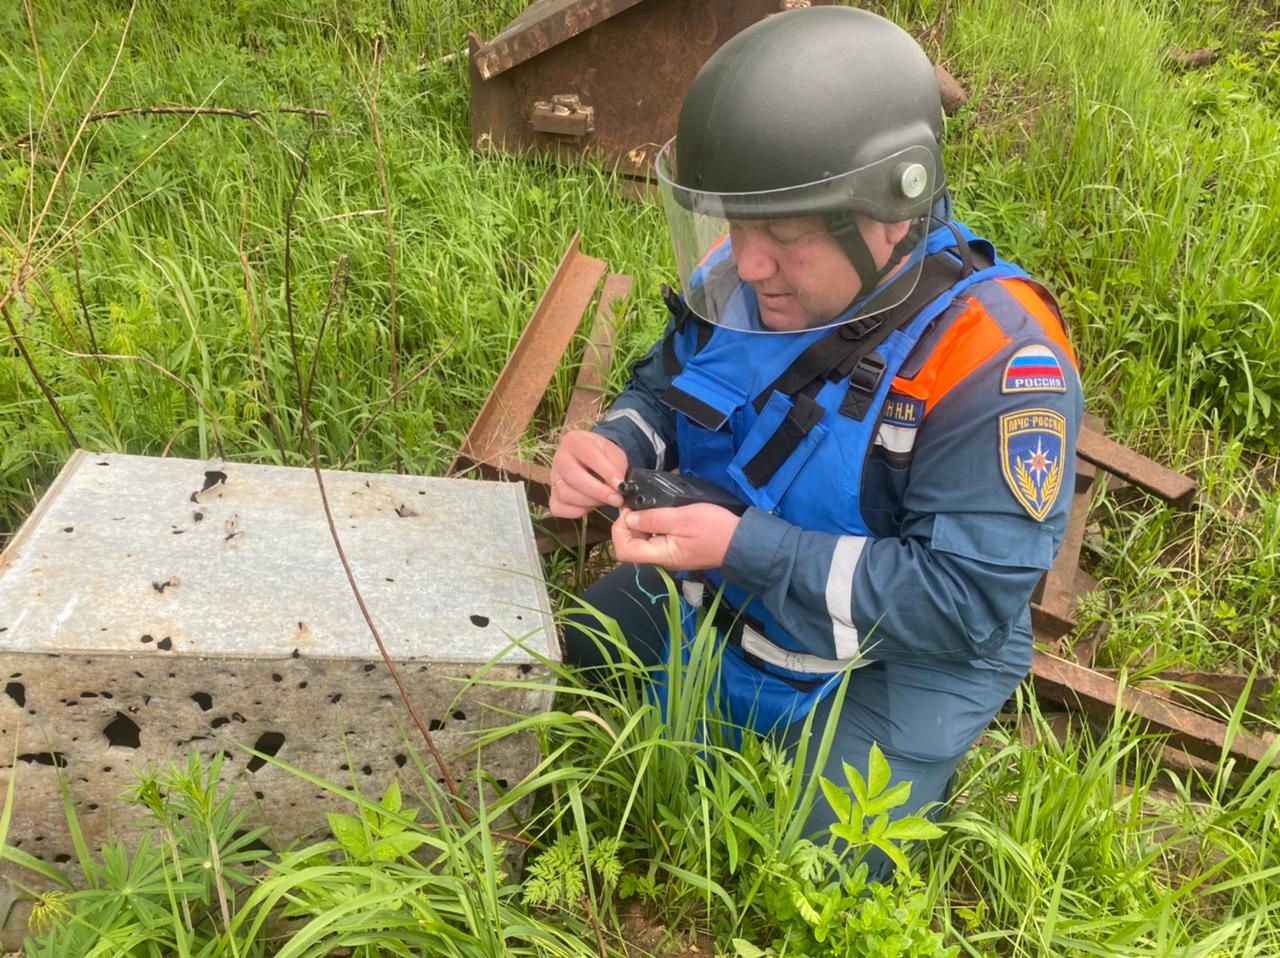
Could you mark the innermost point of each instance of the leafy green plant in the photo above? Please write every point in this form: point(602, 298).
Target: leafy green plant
point(175, 890)
point(379, 833)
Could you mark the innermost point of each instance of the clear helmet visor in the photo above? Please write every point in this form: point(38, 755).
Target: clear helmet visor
point(781, 261)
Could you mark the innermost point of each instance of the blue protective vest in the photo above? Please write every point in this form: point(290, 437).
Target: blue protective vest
point(818, 487)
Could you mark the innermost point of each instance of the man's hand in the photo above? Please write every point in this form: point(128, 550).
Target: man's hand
point(681, 539)
point(585, 473)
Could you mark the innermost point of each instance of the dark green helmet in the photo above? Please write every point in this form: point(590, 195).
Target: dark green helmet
point(806, 98)
point(822, 111)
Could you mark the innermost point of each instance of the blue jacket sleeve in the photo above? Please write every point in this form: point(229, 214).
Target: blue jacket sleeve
point(638, 421)
point(954, 584)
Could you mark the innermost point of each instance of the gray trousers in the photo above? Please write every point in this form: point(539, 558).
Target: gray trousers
point(917, 714)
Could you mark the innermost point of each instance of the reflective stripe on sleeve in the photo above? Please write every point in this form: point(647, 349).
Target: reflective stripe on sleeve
point(899, 439)
point(762, 648)
point(634, 417)
point(840, 595)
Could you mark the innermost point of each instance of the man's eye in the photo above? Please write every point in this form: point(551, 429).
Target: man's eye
point(788, 235)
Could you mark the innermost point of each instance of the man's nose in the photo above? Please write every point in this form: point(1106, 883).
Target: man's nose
point(753, 255)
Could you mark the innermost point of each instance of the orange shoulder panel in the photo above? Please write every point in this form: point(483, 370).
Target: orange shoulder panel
point(1032, 302)
point(973, 338)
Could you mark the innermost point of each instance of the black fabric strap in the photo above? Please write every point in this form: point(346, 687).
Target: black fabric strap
point(671, 365)
point(704, 414)
point(800, 420)
point(847, 351)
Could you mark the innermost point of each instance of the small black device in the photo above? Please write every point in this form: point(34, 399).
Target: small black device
point(654, 489)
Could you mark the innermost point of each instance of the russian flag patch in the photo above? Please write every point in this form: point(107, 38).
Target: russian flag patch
point(1033, 369)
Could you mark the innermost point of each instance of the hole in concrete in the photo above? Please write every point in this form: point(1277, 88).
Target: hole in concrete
point(69, 529)
point(165, 644)
point(385, 697)
point(16, 691)
point(123, 731)
point(435, 725)
point(525, 668)
point(501, 783)
point(202, 699)
point(344, 767)
point(277, 677)
point(145, 639)
point(335, 698)
point(400, 760)
point(480, 620)
point(369, 668)
point(92, 806)
point(197, 516)
point(460, 715)
point(259, 795)
point(53, 759)
point(295, 654)
point(268, 743)
point(61, 858)
point(302, 684)
point(220, 721)
point(88, 695)
point(367, 769)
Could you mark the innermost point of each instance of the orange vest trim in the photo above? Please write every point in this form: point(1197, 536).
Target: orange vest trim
point(971, 340)
point(1030, 300)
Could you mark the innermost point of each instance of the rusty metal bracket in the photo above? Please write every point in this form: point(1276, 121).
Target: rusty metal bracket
point(563, 115)
point(1078, 687)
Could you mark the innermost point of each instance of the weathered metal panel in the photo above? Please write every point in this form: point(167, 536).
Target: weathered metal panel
point(629, 62)
point(143, 616)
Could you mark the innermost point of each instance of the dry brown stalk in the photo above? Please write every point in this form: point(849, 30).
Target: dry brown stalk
point(314, 453)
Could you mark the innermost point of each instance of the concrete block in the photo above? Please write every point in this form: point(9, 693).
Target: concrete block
point(153, 606)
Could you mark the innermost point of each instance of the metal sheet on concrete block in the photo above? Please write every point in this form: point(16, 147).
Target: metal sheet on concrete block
point(138, 625)
point(127, 556)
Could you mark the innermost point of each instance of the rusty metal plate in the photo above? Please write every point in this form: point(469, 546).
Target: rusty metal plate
point(630, 62)
point(1095, 694)
point(505, 416)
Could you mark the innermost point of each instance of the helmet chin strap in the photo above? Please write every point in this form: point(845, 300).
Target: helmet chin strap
point(843, 227)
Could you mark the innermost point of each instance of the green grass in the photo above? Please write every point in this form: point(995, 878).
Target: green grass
point(152, 301)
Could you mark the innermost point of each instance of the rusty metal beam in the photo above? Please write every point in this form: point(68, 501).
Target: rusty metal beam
point(1199, 691)
point(1095, 694)
point(505, 416)
point(1136, 469)
point(1052, 613)
point(586, 404)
